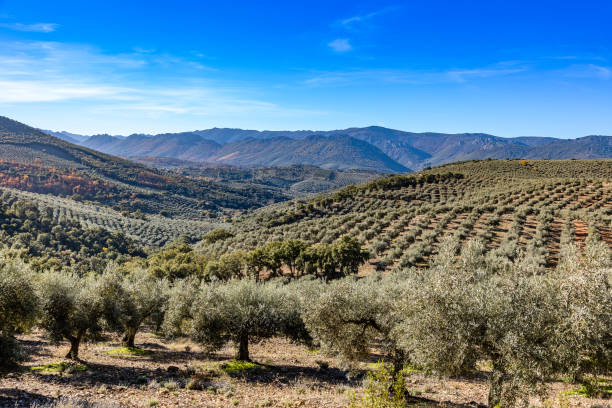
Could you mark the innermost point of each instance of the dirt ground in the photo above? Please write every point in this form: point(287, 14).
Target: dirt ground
point(289, 376)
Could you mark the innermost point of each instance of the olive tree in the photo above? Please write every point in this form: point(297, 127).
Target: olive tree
point(130, 299)
point(240, 311)
point(457, 313)
point(18, 306)
point(585, 289)
point(350, 316)
point(72, 307)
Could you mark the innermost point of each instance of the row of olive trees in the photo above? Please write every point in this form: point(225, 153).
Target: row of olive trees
point(331, 260)
point(74, 308)
point(526, 322)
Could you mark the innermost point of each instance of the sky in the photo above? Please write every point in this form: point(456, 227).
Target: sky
point(509, 68)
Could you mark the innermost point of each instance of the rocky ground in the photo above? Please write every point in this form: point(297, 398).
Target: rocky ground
point(180, 374)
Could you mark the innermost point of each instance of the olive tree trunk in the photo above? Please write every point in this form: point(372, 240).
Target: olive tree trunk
point(75, 341)
point(243, 348)
point(130, 335)
point(496, 383)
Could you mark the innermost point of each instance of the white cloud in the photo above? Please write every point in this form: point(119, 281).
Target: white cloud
point(466, 74)
point(132, 86)
point(340, 45)
point(18, 91)
point(36, 28)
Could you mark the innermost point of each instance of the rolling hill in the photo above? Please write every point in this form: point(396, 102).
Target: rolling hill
point(382, 149)
point(509, 205)
point(34, 161)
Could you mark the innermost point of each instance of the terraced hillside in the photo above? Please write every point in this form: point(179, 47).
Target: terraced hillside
point(511, 205)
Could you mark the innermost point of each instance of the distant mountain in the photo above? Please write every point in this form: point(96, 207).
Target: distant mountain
point(332, 152)
point(67, 136)
point(335, 149)
point(185, 146)
point(328, 152)
point(34, 161)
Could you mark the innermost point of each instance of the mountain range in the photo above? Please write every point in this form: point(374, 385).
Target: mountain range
point(372, 148)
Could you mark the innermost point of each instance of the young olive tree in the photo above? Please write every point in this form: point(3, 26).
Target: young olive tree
point(457, 313)
point(130, 299)
point(72, 307)
point(18, 307)
point(241, 311)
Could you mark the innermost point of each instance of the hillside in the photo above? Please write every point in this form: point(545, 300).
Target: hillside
point(333, 152)
point(510, 205)
point(411, 150)
point(35, 161)
point(296, 180)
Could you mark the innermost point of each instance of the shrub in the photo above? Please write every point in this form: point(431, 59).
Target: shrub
point(218, 234)
point(460, 312)
point(348, 317)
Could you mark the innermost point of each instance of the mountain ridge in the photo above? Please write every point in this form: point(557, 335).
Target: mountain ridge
point(403, 150)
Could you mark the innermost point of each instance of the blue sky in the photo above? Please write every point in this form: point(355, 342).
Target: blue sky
point(509, 68)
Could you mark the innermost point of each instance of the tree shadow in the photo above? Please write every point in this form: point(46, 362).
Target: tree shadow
point(288, 374)
point(11, 397)
point(111, 375)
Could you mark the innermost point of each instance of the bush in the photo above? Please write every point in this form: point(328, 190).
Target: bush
point(458, 313)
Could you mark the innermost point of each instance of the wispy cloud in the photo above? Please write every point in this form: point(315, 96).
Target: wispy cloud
point(408, 77)
point(36, 28)
point(143, 83)
point(351, 21)
point(587, 71)
point(340, 45)
point(467, 74)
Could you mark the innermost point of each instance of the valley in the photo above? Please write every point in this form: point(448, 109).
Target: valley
point(169, 259)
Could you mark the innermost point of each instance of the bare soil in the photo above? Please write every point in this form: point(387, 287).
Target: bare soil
point(289, 376)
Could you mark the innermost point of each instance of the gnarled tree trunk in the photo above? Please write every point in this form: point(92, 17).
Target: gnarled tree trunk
point(75, 341)
point(130, 335)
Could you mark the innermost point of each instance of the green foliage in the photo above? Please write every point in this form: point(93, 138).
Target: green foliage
point(241, 311)
point(130, 299)
point(177, 261)
point(18, 306)
point(72, 307)
point(240, 366)
point(218, 234)
point(348, 317)
point(60, 367)
point(383, 389)
point(460, 312)
point(60, 242)
point(129, 351)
